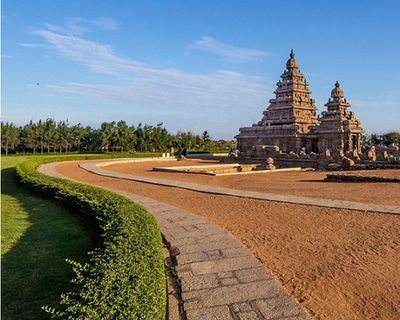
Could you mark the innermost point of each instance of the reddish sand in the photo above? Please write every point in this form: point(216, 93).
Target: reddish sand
point(339, 264)
point(304, 183)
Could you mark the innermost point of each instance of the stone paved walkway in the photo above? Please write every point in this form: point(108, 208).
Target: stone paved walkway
point(98, 168)
point(220, 278)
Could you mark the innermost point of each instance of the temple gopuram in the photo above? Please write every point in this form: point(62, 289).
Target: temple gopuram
point(291, 132)
point(289, 118)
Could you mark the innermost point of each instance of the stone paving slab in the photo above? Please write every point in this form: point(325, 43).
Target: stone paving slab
point(220, 278)
point(330, 203)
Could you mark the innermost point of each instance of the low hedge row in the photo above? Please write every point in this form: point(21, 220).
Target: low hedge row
point(124, 278)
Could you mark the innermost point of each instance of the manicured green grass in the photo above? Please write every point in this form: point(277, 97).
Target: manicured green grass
point(125, 277)
point(37, 236)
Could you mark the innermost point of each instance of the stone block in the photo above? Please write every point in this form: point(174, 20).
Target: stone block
point(204, 281)
point(223, 265)
point(278, 307)
point(191, 257)
point(217, 313)
point(233, 294)
point(253, 274)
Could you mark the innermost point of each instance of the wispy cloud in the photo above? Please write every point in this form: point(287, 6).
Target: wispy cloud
point(108, 24)
point(374, 103)
point(77, 26)
point(226, 51)
point(140, 84)
point(33, 45)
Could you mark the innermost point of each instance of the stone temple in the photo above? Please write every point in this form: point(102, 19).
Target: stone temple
point(291, 124)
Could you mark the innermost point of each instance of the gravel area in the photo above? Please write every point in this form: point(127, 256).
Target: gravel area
point(308, 184)
point(340, 264)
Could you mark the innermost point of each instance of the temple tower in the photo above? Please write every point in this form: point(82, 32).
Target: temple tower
point(289, 118)
point(292, 103)
point(339, 130)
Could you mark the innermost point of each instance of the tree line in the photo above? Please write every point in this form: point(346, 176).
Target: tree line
point(50, 136)
point(386, 139)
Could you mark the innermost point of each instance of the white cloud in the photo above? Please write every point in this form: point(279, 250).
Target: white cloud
point(33, 45)
point(76, 26)
point(105, 24)
point(373, 103)
point(228, 52)
point(140, 84)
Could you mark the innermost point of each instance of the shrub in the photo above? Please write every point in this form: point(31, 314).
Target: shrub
point(124, 278)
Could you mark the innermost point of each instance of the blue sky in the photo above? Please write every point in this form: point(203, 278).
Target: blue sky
point(194, 65)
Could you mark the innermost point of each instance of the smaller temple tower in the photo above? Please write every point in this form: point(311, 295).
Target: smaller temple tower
point(339, 130)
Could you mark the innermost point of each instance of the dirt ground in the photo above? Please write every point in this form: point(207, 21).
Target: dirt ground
point(339, 264)
point(308, 184)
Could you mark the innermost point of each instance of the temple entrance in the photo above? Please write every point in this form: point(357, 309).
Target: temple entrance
point(314, 145)
point(354, 142)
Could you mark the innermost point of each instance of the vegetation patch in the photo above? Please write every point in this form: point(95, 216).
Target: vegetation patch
point(49, 136)
point(124, 278)
point(36, 236)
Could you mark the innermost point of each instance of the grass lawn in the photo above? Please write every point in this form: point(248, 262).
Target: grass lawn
point(37, 236)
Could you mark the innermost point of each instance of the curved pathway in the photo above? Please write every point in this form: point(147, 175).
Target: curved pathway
point(98, 168)
point(220, 278)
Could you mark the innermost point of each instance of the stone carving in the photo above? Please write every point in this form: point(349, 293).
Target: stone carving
point(270, 164)
point(347, 162)
point(371, 154)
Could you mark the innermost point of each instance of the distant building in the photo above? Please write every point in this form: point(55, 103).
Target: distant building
point(290, 122)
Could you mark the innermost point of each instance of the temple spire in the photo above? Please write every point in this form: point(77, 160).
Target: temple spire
point(337, 92)
point(292, 104)
point(292, 62)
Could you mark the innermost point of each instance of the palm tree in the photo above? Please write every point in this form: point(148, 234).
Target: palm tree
point(125, 137)
point(77, 134)
point(107, 135)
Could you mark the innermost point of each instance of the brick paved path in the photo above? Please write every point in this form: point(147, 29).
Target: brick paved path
point(220, 278)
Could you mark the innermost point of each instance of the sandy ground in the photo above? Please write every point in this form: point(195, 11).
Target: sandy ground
point(339, 264)
point(308, 184)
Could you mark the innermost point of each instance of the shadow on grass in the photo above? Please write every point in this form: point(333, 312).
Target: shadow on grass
point(34, 271)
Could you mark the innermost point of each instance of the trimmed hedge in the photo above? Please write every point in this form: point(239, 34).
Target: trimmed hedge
point(124, 278)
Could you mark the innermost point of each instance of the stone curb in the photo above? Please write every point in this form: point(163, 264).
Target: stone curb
point(220, 278)
point(329, 203)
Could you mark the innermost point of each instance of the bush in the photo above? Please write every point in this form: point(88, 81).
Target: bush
point(124, 278)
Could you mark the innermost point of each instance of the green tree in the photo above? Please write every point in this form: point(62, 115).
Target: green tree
point(391, 138)
point(77, 135)
point(160, 139)
point(40, 128)
point(50, 134)
point(91, 140)
point(125, 137)
point(65, 136)
point(29, 137)
point(205, 137)
point(107, 135)
point(186, 140)
point(9, 136)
